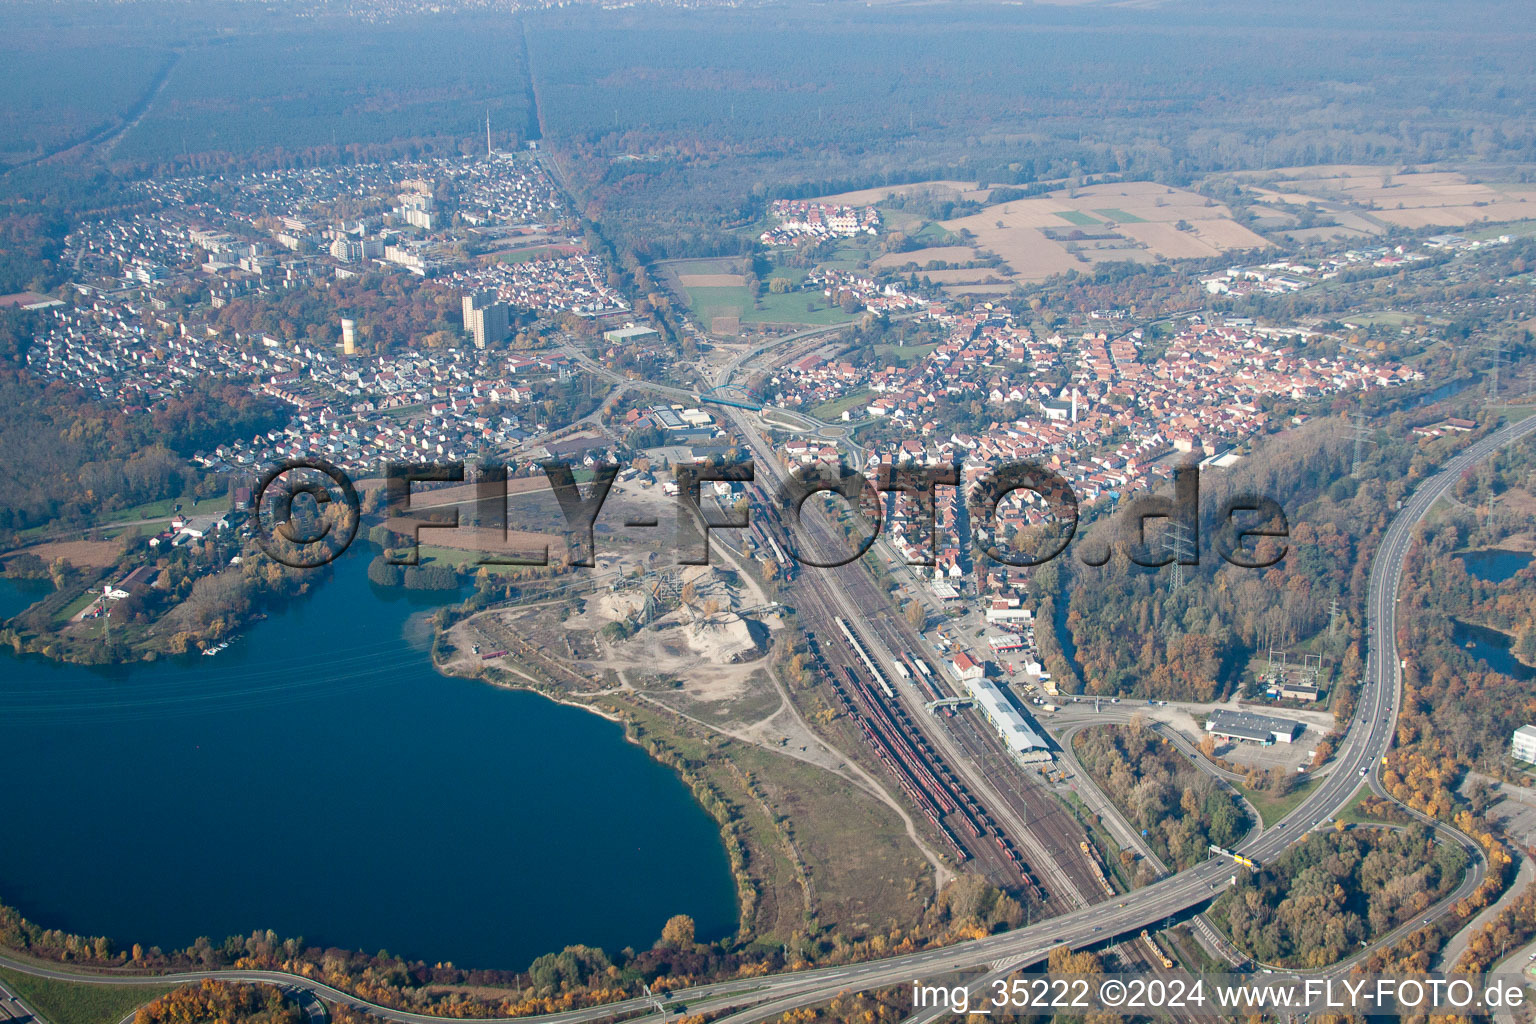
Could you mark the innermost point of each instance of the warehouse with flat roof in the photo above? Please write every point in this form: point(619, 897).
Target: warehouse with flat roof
point(1022, 741)
point(1252, 728)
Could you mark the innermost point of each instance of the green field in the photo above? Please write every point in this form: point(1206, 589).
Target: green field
point(834, 409)
point(1384, 318)
point(74, 607)
point(162, 509)
point(850, 256)
point(1516, 229)
point(1078, 217)
point(68, 1002)
point(1119, 216)
point(788, 308)
point(1353, 815)
point(528, 255)
point(1272, 808)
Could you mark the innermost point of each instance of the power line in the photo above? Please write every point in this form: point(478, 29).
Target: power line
point(1362, 437)
point(1181, 545)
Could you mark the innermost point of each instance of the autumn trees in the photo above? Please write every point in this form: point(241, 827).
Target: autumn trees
point(1334, 890)
point(1181, 809)
point(678, 931)
point(222, 1002)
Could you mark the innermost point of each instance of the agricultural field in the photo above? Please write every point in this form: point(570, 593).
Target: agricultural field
point(922, 257)
point(718, 292)
point(1370, 199)
point(1067, 229)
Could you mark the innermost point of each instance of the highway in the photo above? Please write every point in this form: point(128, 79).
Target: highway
point(1368, 739)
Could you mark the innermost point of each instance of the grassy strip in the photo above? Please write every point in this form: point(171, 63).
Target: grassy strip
point(832, 410)
point(72, 1002)
point(1273, 808)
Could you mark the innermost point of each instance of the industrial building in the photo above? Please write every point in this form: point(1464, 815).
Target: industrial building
point(1300, 691)
point(1022, 741)
point(1522, 746)
point(630, 334)
point(1252, 728)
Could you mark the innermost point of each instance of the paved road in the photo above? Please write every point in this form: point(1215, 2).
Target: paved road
point(1462, 939)
point(13, 1009)
point(1369, 737)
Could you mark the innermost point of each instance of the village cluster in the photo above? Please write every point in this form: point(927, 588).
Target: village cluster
point(1118, 426)
point(798, 219)
point(858, 291)
point(1281, 277)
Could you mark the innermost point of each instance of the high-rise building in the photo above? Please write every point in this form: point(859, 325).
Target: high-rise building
point(485, 319)
point(348, 337)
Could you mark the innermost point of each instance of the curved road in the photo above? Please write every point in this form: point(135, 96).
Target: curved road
point(1365, 744)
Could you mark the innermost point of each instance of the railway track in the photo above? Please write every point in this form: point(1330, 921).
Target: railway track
point(1036, 829)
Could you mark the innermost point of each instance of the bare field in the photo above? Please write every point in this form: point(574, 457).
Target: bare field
point(977, 289)
point(1422, 199)
point(1460, 216)
point(942, 253)
point(976, 275)
point(92, 554)
point(1169, 241)
point(1226, 234)
point(711, 280)
point(1016, 230)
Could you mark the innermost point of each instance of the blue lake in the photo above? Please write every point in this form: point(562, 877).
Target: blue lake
point(321, 779)
point(1494, 565)
point(1492, 647)
point(17, 595)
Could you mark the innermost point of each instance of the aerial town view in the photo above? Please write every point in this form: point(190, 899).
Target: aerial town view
point(767, 512)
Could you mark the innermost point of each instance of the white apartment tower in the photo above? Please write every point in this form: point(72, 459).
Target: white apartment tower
point(484, 318)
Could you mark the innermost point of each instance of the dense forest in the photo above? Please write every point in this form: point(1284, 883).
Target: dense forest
point(103, 459)
point(1134, 635)
point(206, 87)
point(677, 127)
point(1181, 809)
point(1328, 893)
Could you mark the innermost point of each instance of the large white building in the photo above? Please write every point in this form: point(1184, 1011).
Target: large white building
point(1022, 741)
point(1522, 746)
